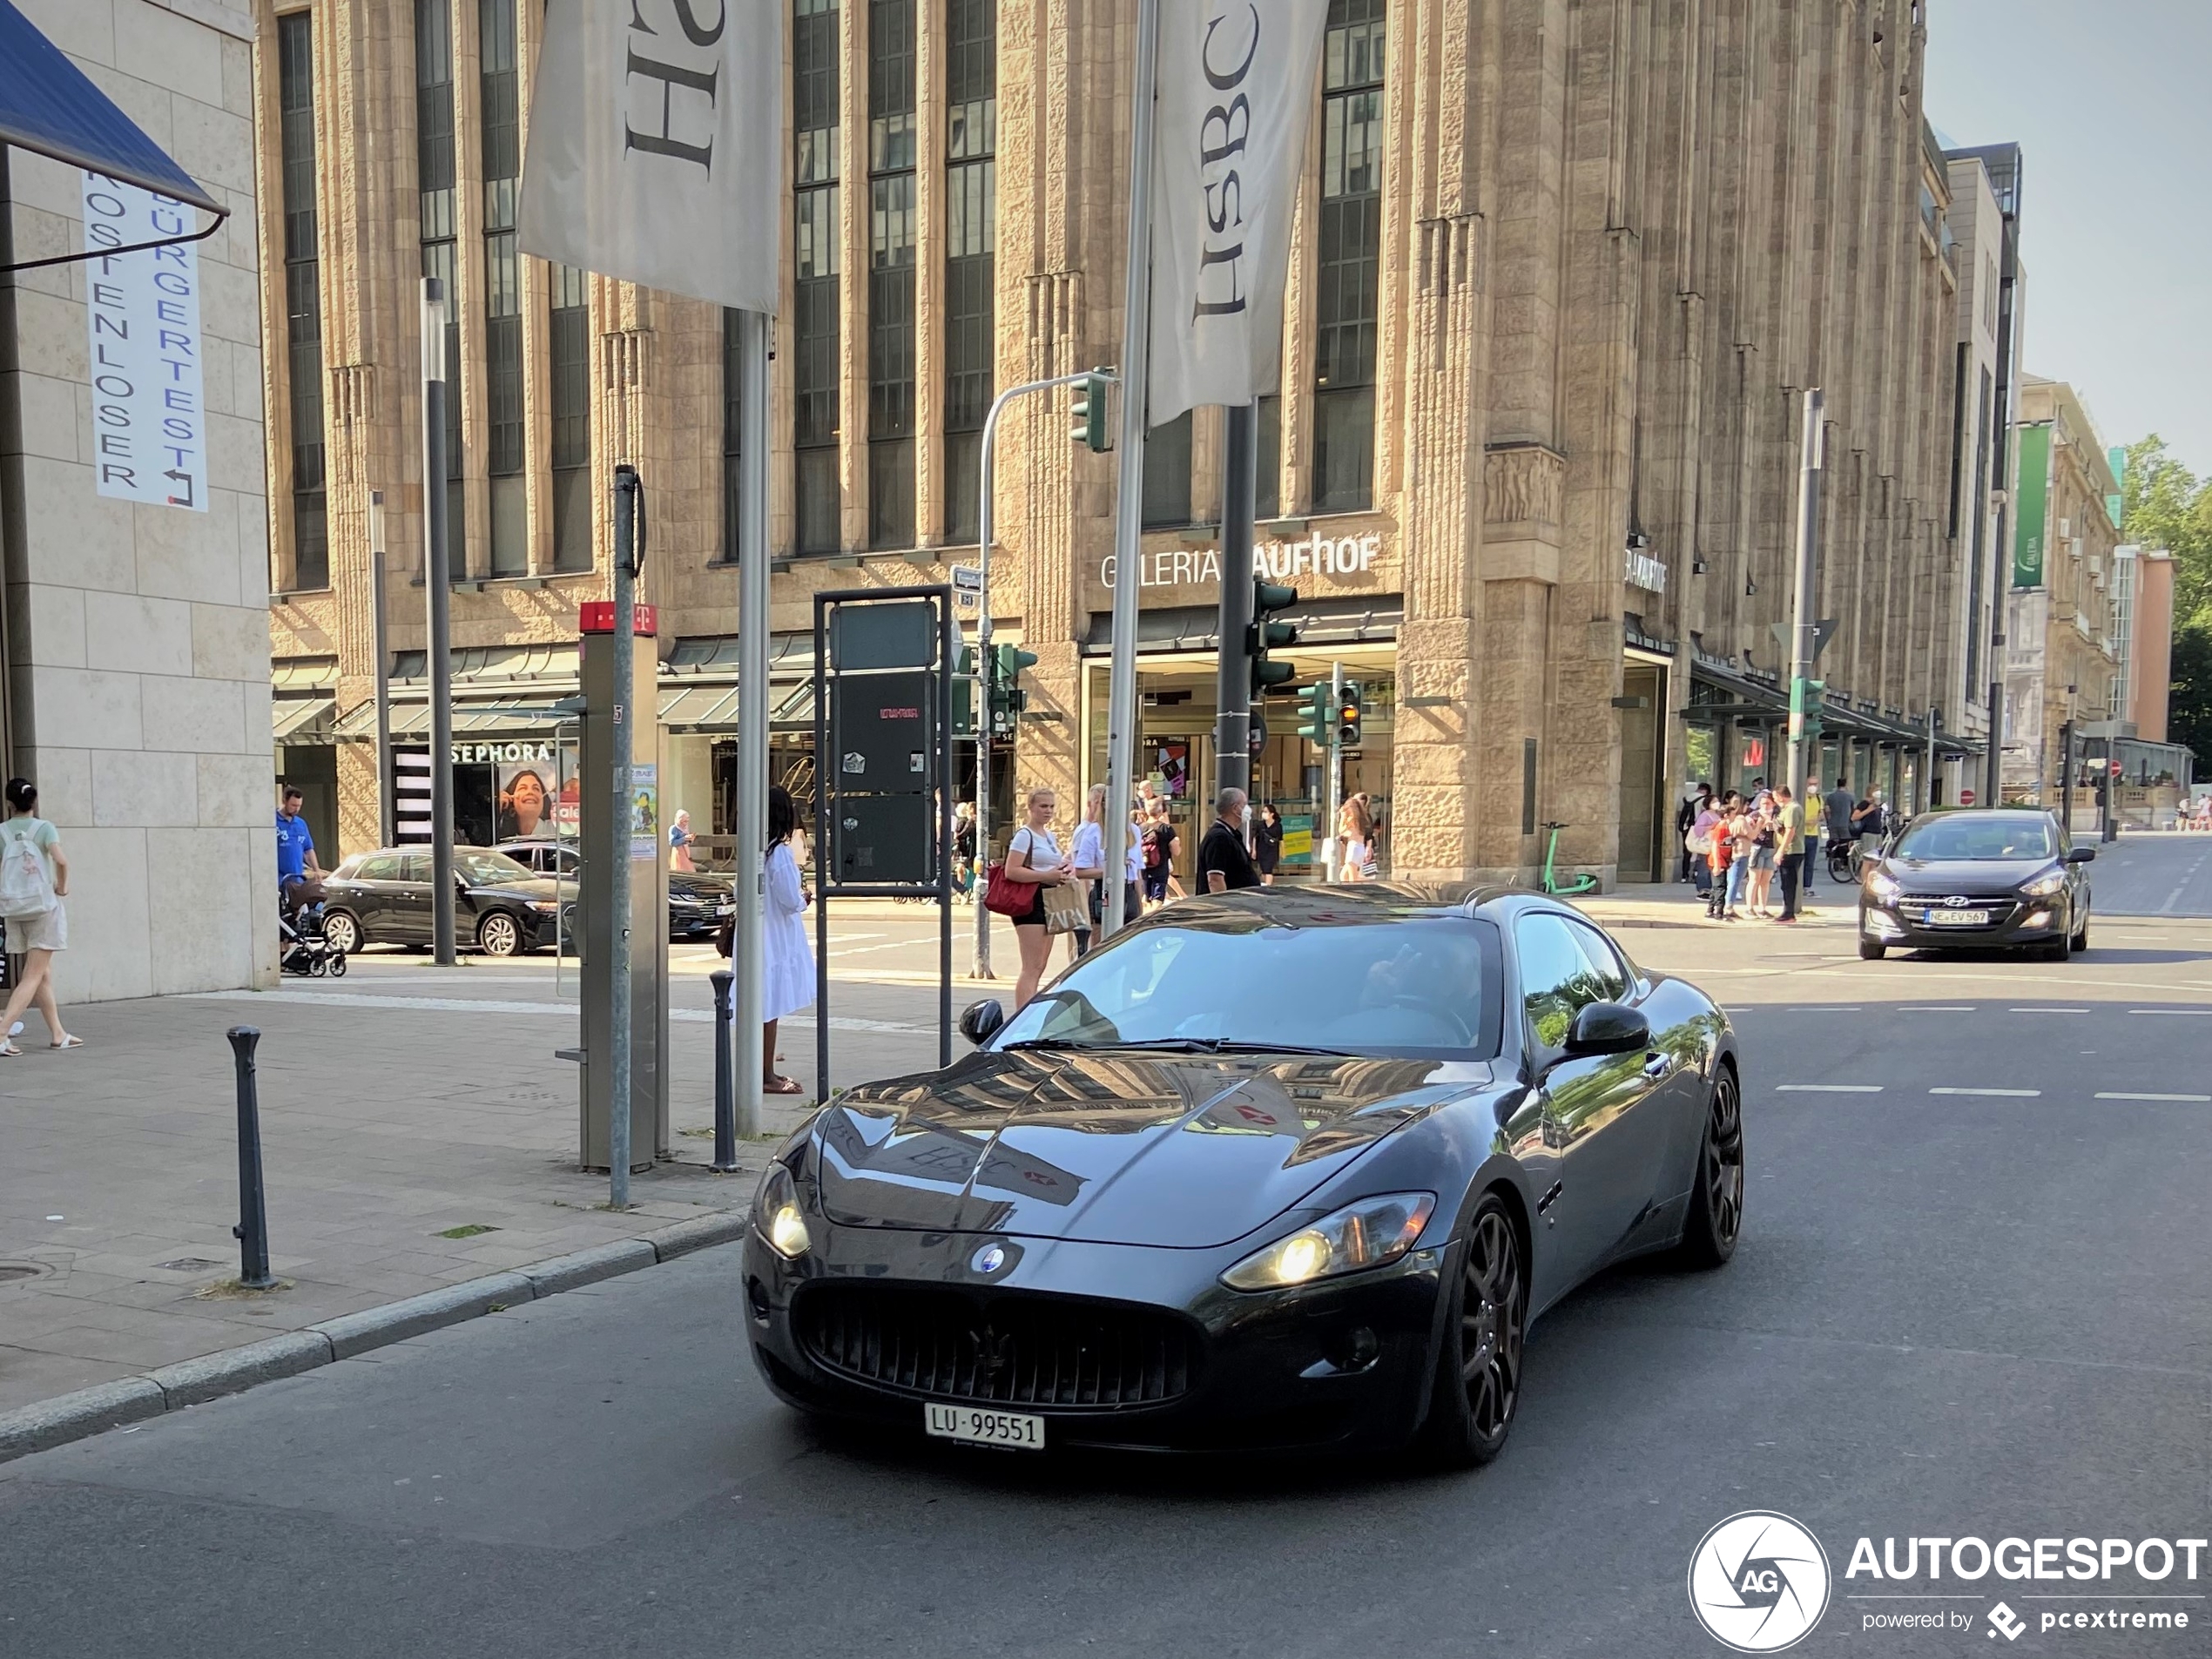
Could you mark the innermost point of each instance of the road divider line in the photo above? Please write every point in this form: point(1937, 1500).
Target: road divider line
point(2047, 1010)
point(2004, 1093)
point(1847, 1008)
point(2196, 1011)
point(2122, 1095)
point(1941, 1008)
point(1828, 1089)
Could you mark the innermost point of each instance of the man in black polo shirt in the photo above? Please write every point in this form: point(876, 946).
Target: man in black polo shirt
point(1224, 864)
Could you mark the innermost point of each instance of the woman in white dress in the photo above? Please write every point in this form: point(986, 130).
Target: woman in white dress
point(1087, 853)
point(787, 959)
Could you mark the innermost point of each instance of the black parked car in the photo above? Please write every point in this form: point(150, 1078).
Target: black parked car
point(698, 901)
point(384, 898)
point(1978, 877)
point(1283, 1169)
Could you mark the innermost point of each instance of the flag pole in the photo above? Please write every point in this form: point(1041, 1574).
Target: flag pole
point(748, 877)
point(1129, 505)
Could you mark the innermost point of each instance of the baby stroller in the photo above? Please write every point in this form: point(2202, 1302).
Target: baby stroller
point(302, 948)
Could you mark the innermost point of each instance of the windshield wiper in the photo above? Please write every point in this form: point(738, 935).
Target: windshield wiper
point(1174, 1045)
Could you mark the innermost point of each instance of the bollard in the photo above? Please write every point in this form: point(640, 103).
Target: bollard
point(253, 1229)
point(725, 1105)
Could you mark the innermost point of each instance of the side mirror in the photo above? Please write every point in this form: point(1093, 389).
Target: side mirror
point(1607, 1028)
point(979, 1022)
point(2080, 855)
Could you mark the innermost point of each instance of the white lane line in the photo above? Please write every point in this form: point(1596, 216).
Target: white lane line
point(1849, 1008)
point(2196, 1011)
point(2047, 1010)
point(896, 944)
point(1952, 1008)
point(1828, 1089)
point(2004, 1093)
point(2121, 1095)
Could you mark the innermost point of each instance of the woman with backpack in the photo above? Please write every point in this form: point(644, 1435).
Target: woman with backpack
point(34, 879)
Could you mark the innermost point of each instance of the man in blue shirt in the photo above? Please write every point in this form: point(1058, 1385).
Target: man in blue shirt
point(295, 847)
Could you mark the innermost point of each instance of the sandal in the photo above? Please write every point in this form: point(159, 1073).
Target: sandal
point(781, 1085)
point(70, 1041)
point(7, 1049)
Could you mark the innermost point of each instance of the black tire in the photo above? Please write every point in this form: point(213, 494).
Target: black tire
point(1871, 950)
point(499, 934)
point(317, 966)
point(2079, 941)
point(2053, 952)
point(1477, 1388)
point(337, 964)
point(1715, 1218)
point(341, 931)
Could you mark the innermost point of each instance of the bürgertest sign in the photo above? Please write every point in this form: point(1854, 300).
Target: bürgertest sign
point(142, 323)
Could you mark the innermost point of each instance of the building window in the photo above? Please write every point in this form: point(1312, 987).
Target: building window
point(302, 301)
point(1167, 474)
point(436, 161)
point(971, 205)
point(891, 273)
point(505, 427)
point(815, 237)
point(569, 319)
point(1351, 264)
point(733, 431)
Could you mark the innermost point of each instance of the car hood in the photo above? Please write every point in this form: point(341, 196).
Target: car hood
point(1964, 875)
point(530, 892)
point(1114, 1146)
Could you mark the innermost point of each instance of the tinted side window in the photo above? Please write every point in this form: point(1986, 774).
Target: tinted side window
point(415, 867)
point(1605, 962)
point(385, 867)
point(1556, 979)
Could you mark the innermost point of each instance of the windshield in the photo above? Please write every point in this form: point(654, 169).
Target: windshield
point(1415, 988)
point(1979, 838)
point(482, 869)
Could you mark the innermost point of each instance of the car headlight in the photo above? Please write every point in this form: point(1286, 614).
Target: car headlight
point(1882, 886)
point(1365, 1234)
point(775, 1215)
point(2044, 885)
point(546, 906)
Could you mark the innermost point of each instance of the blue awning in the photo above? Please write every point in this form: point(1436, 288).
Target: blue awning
point(49, 106)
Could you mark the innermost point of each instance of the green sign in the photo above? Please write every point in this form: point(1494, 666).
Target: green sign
point(2031, 525)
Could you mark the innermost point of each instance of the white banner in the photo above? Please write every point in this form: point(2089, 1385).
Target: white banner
point(1237, 86)
point(142, 327)
point(656, 145)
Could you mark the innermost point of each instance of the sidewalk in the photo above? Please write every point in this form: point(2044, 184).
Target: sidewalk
point(384, 1131)
point(1678, 904)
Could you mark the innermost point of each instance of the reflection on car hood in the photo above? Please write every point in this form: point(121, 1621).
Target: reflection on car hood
point(1114, 1147)
point(1964, 875)
point(527, 891)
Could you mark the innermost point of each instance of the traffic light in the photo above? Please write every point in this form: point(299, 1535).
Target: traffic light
point(1808, 699)
point(1316, 713)
point(1264, 636)
point(1089, 413)
point(964, 692)
point(1348, 717)
point(1008, 699)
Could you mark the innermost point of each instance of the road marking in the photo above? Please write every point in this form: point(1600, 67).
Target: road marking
point(896, 944)
point(1937, 1008)
point(1849, 1008)
point(1828, 1089)
point(469, 1005)
point(2047, 1010)
point(2119, 1095)
point(2005, 1093)
point(2196, 1011)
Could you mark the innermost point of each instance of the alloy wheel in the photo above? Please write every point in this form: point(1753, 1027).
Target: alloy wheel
point(342, 933)
point(498, 935)
point(1724, 1160)
point(1491, 1318)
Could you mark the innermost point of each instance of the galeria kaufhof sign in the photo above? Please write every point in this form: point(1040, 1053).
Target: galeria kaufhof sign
point(1344, 556)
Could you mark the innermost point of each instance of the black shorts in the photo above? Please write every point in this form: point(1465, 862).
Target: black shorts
point(1034, 916)
point(1156, 882)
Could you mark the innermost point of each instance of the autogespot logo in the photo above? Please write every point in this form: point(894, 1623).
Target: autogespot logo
point(1759, 1581)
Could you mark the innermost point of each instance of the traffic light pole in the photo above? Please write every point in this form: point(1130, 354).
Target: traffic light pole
point(1233, 685)
point(981, 967)
point(1336, 770)
point(1804, 630)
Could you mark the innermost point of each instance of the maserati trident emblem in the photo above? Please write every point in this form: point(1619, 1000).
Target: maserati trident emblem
point(994, 1352)
point(989, 1259)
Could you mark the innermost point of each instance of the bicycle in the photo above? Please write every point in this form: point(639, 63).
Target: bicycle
point(1584, 883)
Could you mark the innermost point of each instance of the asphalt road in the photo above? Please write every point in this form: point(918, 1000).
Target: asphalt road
point(1954, 1313)
point(2156, 875)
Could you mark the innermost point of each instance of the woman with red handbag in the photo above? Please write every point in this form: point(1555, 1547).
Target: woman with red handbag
point(1033, 862)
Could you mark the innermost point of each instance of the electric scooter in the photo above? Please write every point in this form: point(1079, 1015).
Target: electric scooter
point(1584, 883)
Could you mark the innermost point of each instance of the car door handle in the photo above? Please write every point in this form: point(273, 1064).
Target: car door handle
point(1657, 1066)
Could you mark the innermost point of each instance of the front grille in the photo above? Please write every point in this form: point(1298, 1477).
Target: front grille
point(2000, 906)
point(1001, 1350)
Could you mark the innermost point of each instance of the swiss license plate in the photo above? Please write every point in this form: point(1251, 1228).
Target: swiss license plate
point(1958, 919)
point(980, 1427)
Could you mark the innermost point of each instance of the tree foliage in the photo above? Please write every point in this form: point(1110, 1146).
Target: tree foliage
point(2164, 504)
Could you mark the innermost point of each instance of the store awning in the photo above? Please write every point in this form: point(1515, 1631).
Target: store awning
point(714, 708)
point(49, 106)
point(411, 721)
point(304, 719)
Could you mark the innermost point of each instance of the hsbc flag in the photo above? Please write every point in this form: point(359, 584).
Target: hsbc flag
point(1235, 86)
point(656, 145)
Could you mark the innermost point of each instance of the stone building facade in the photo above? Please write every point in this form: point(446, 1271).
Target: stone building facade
point(137, 684)
point(1560, 272)
point(2062, 649)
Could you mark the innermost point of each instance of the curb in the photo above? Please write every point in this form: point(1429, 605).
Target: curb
point(193, 1382)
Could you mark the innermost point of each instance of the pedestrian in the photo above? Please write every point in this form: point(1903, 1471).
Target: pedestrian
point(679, 843)
point(34, 879)
point(1867, 818)
point(1087, 853)
point(787, 958)
point(1697, 842)
point(1789, 848)
point(964, 850)
point(1161, 844)
point(295, 842)
point(1722, 857)
point(1133, 869)
point(1267, 842)
point(1225, 866)
point(1742, 824)
point(1693, 797)
point(1356, 841)
point(1760, 885)
point(1034, 858)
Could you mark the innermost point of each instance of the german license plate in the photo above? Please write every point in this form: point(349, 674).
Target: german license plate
point(1958, 919)
point(980, 1427)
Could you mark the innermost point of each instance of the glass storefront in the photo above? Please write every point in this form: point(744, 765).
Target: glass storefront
point(1176, 693)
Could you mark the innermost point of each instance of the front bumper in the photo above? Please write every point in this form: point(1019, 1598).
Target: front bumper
point(2012, 920)
point(1340, 1366)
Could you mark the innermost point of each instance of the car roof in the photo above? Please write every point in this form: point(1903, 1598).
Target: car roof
point(1981, 811)
point(1351, 904)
